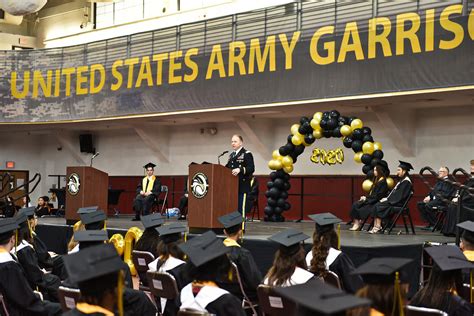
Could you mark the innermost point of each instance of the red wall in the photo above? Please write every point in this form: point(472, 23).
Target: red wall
point(312, 194)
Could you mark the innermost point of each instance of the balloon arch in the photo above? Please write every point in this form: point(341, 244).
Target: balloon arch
point(328, 124)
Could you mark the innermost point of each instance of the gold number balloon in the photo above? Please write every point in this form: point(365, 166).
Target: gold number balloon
point(330, 157)
point(119, 243)
point(132, 236)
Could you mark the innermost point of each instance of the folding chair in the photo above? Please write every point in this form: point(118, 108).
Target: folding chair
point(332, 279)
point(162, 285)
point(163, 202)
point(440, 216)
point(246, 302)
point(422, 311)
point(254, 209)
point(141, 259)
point(68, 297)
point(273, 304)
point(192, 312)
point(465, 292)
point(402, 211)
point(3, 306)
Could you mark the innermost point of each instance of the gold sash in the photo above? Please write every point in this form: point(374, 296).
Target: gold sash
point(151, 182)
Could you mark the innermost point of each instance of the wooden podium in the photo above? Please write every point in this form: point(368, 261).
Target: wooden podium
point(92, 190)
point(220, 198)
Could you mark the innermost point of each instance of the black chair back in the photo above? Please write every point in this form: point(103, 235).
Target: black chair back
point(68, 297)
point(273, 304)
point(162, 285)
point(332, 278)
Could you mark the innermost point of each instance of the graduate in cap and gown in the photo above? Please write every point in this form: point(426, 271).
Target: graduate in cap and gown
point(208, 257)
point(73, 246)
point(248, 270)
point(91, 220)
point(385, 285)
point(171, 260)
point(467, 239)
point(397, 196)
point(150, 239)
point(326, 256)
point(148, 191)
point(17, 293)
point(445, 282)
point(289, 266)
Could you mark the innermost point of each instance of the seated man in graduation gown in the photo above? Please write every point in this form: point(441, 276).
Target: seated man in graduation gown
point(396, 198)
point(248, 270)
point(148, 191)
point(436, 198)
point(17, 293)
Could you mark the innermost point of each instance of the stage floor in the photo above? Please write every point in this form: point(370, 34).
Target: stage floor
point(262, 230)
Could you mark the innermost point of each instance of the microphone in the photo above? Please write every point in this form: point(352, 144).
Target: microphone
point(219, 157)
point(95, 155)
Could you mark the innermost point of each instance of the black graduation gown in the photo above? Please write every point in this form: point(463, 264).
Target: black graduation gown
point(397, 197)
point(452, 304)
point(227, 305)
point(45, 260)
point(47, 283)
point(76, 312)
point(467, 204)
point(249, 272)
point(244, 161)
point(362, 209)
point(156, 190)
point(19, 297)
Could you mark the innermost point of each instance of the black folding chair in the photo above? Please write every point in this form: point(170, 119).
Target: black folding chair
point(141, 260)
point(246, 302)
point(68, 297)
point(332, 278)
point(400, 211)
point(273, 304)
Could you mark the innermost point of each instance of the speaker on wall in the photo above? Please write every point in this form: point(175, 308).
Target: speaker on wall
point(86, 144)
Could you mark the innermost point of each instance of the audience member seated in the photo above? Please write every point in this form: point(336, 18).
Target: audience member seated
point(385, 286)
point(248, 270)
point(325, 254)
point(46, 283)
point(43, 209)
point(170, 259)
point(400, 193)
point(8, 206)
point(289, 266)
point(366, 204)
point(445, 281)
point(441, 190)
point(26, 201)
point(95, 220)
point(210, 265)
point(17, 293)
point(467, 207)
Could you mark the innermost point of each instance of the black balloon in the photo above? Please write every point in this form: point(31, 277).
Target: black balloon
point(284, 195)
point(304, 119)
point(280, 173)
point(289, 138)
point(270, 184)
point(273, 175)
point(366, 169)
point(356, 145)
point(370, 174)
point(287, 206)
point(374, 162)
point(357, 134)
point(268, 210)
point(366, 159)
point(287, 186)
point(378, 154)
point(309, 139)
point(367, 138)
point(283, 150)
point(334, 114)
point(299, 150)
point(294, 156)
point(337, 132)
point(281, 202)
point(274, 193)
point(366, 130)
point(306, 128)
point(347, 142)
point(278, 210)
point(286, 177)
point(271, 202)
point(327, 133)
point(350, 119)
point(326, 114)
point(332, 123)
point(278, 183)
point(343, 120)
point(323, 123)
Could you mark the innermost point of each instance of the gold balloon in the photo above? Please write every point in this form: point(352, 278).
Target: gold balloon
point(297, 139)
point(288, 169)
point(287, 161)
point(318, 116)
point(131, 237)
point(377, 146)
point(367, 185)
point(390, 183)
point(346, 130)
point(318, 133)
point(356, 123)
point(278, 165)
point(294, 129)
point(275, 154)
point(358, 156)
point(368, 148)
point(119, 243)
point(315, 124)
point(271, 164)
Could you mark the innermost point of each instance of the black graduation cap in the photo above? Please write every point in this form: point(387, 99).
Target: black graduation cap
point(87, 209)
point(149, 165)
point(28, 211)
point(468, 233)
point(449, 258)
point(289, 239)
point(171, 232)
point(231, 220)
point(95, 218)
point(21, 218)
point(91, 236)
point(203, 248)
point(7, 227)
point(324, 221)
point(381, 270)
point(152, 220)
point(405, 165)
point(320, 299)
point(92, 263)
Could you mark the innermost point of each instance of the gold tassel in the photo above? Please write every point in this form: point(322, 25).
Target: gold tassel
point(185, 237)
point(105, 225)
point(120, 293)
point(470, 284)
point(397, 293)
point(16, 240)
point(338, 236)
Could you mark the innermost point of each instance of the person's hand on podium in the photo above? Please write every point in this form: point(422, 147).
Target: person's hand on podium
point(235, 171)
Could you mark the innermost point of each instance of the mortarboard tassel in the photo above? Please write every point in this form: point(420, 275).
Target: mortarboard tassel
point(338, 236)
point(397, 293)
point(470, 284)
point(29, 229)
point(105, 225)
point(120, 293)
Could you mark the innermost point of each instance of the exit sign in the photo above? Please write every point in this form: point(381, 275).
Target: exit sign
point(10, 164)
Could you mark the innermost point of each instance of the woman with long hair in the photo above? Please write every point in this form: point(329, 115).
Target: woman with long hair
point(365, 206)
point(289, 266)
point(444, 282)
point(43, 208)
point(325, 254)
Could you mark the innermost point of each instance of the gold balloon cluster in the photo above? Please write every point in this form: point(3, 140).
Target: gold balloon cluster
point(368, 184)
point(330, 157)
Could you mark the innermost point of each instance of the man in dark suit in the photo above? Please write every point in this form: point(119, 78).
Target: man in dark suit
point(147, 192)
point(242, 165)
point(442, 190)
